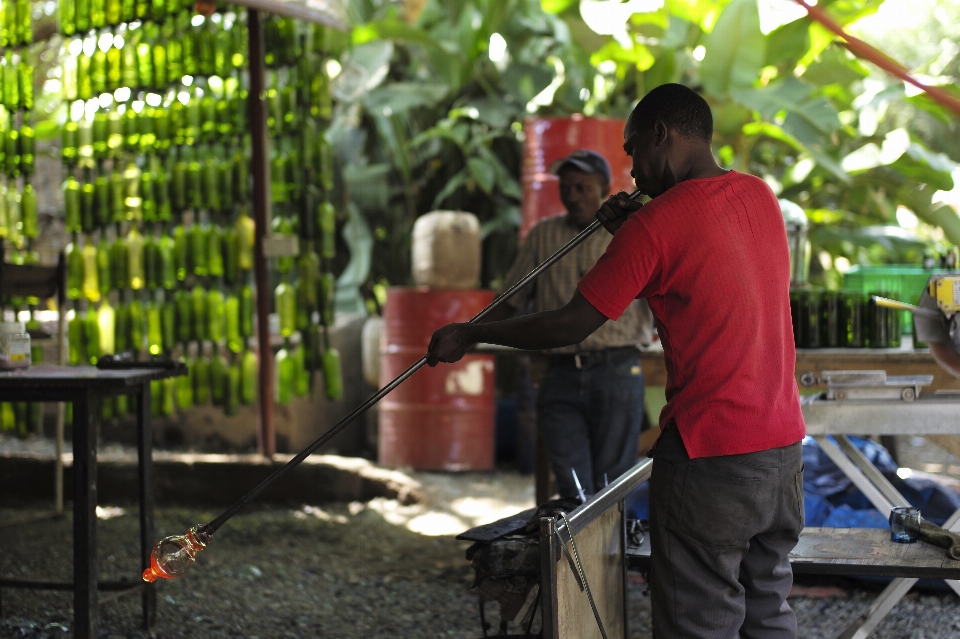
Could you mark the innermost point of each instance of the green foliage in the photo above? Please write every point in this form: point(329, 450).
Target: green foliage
point(433, 122)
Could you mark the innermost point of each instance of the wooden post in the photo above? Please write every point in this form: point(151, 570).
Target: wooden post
point(260, 169)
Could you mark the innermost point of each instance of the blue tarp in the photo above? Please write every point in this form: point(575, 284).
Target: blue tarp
point(831, 500)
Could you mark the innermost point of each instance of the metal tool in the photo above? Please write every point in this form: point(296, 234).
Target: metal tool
point(576, 480)
point(205, 531)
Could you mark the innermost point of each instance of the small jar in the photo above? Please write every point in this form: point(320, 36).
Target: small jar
point(14, 346)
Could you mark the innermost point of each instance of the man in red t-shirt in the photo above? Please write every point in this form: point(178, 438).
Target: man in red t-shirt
point(709, 253)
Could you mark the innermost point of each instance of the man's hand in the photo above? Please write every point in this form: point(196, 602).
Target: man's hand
point(450, 343)
point(615, 210)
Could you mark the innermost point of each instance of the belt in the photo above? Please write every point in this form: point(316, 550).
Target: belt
point(589, 359)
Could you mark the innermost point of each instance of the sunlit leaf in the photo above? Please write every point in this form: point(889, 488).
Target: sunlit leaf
point(401, 96)
point(788, 43)
point(556, 6)
point(827, 216)
point(700, 12)
point(736, 49)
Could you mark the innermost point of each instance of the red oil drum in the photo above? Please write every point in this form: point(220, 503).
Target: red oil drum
point(441, 418)
point(549, 139)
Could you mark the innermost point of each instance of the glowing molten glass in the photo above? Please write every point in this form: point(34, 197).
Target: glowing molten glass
point(173, 556)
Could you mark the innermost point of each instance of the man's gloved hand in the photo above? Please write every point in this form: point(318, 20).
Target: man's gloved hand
point(615, 210)
point(450, 343)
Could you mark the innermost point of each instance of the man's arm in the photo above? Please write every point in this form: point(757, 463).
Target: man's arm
point(565, 326)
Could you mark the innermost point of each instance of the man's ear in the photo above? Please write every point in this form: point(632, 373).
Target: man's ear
point(659, 132)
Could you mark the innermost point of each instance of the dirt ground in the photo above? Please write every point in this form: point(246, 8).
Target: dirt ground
point(371, 570)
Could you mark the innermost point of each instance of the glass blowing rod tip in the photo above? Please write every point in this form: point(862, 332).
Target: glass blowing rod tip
point(174, 555)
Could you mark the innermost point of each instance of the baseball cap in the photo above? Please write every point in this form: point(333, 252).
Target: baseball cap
point(584, 160)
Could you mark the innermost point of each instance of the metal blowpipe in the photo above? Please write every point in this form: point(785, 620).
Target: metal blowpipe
point(174, 555)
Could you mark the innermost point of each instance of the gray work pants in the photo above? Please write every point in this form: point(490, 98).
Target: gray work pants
point(721, 530)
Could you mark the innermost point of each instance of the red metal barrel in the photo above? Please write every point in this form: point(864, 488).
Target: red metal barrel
point(549, 139)
point(441, 418)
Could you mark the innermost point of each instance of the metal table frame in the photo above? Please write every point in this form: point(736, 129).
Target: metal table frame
point(84, 387)
point(926, 416)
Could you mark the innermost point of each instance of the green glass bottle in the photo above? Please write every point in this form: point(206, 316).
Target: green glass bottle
point(278, 185)
point(191, 65)
point(223, 53)
point(181, 241)
point(218, 377)
point(326, 292)
point(327, 223)
point(178, 184)
point(246, 230)
point(91, 282)
point(98, 71)
point(107, 320)
point(104, 270)
point(148, 203)
point(156, 397)
point(281, 225)
point(135, 265)
point(101, 199)
point(229, 250)
point(68, 20)
point(198, 249)
point(115, 137)
point(158, 10)
point(15, 228)
point(324, 157)
point(231, 401)
point(246, 311)
point(216, 314)
point(332, 375)
point(74, 259)
point(71, 204)
point(113, 12)
point(161, 76)
point(168, 323)
point(128, 10)
point(211, 190)
point(83, 15)
point(24, 22)
point(154, 328)
point(88, 203)
point(241, 176)
point(184, 315)
point(231, 312)
point(174, 57)
point(129, 70)
point(68, 141)
point(122, 326)
point(302, 379)
point(214, 251)
point(25, 78)
point(308, 269)
point(195, 184)
point(285, 375)
point(75, 337)
point(120, 261)
point(132, 198)
point(207, 50)
point(27, 150)
point(161, 193)
point(286, 304)
point(185, 385)
point(131, 132)
point(28, 212)
point(201, 380)
point(84, 85)
point(118, 210)
point(148, 135)
point(4, 225)
point(91, 336)
point(136, 324)
point(248, 377)
point(145, 64)
point(225, 184)
point(11, 153)
point(198, 298)
point(168, 268)
point(114, 63)
point(169, 407)
point(151, 262)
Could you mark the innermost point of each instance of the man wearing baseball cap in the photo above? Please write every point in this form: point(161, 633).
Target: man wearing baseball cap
point(590, 403)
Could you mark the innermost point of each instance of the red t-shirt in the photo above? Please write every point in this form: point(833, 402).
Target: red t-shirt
point(711, 257)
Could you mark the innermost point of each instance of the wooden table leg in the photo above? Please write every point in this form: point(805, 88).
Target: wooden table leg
point(145, 473)
point(85, 420)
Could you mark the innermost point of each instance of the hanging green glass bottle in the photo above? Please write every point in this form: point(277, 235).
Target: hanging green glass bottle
point(68, 20)
point(11, 152)
point(115, 138)
point(145, 63)
point(229, 251)
point(326, 291)
point(198, 297)
point(71, 204)
point(231, 401)
point(168, 268)
point(181, 240)
point(324, 157)
point(308, 269)
point(27, 150)
point(248, 377)
point(246, 311)
point(25, 78)
point(28, 212)
point(161, 193)
point(101, 198)
point(107, 320)
point(151, 262)
point(302, 383)
point(68, 141)
point(160, 68)
point(332, 375)
point(185, 385)
point(168, 323)
point(198, 249)
point(98, 71)
point(214, 251)
point(285, 375)
point(184, 315)
point(148, 135)
point(169, 407)
point(15, 228)
point(91, 336)
point(281, 226)
point(216, 312)
point(178, 184)
point(113, 12)
point(114, 62)
point(231, 312)
point(135, 264)
point(191, 64)
point(158, 10)
point(223, 53)
point(211, 190)
point(174, 57)
point(24, 22)
point(327, 223)
point(286, 304)
point(118, 210)
point(147, 201)
point(136, 324)
point(104, 270)
point(195, 184)
point(91, 282)
point(122, 326)
point(246, 230)
point(156, 397)
point(74, 258)
point(88, 203)
point(154, 328)
point(225, 184)
point(218, 377)
point(120, 261)
point(75, 333)
point(129, 71)
point(201, 380)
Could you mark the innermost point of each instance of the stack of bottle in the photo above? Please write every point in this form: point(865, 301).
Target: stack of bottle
point(157, 190)
point(301, 185)
point(19, 225)
point(843, 319)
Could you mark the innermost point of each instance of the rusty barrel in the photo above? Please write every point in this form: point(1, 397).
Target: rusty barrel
point(551, 138)
point(441, 418)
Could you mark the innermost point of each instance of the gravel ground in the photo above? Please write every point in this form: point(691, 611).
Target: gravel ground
point(379, 569)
